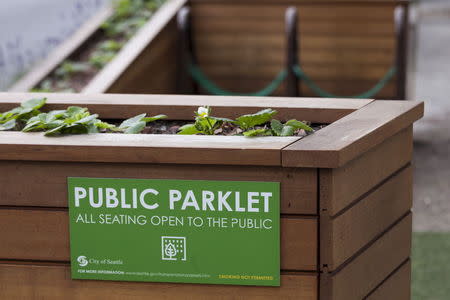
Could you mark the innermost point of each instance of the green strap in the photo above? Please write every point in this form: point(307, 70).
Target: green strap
point(212, 88)
point(322, 93)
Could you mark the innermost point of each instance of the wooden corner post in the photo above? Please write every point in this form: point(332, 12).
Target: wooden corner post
point(185, 84)
point(291, 23)
point(401, 21)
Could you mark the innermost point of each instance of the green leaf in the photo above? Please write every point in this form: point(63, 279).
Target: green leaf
point(74, 110)
point(34, 104)
point(188, 129)
point(276, 126)
point(8, 125)
point(258, 132)
point(287, 131)
point(32, 126)
point(88, 119)
point(154, 118)
point(56, 113)
point(137, 123)
point(135, 128)
point(105, 125)
point(298, 125)
point(131, 121)
point(221, 119)
point(252, 120)
point(110, 45)
point(54, 131)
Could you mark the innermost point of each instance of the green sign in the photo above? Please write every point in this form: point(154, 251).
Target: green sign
point(192, 231)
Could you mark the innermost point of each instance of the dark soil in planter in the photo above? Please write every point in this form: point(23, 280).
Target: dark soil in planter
point(83, 65)
point(172, 127)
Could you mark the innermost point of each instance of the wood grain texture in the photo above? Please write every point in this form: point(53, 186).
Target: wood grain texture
point(349, 232)
point(371, 267)
point(342, 186)
point(53, 282)
point(156, 58)
point(397, 286)
point(62, 52)
point(352, 135)
point(131, 63)
point(182, 107)
point(232, 40)
point(144, 148)
point(47, 182)
point(38, 234)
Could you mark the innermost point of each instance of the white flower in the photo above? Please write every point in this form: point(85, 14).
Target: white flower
point(203, 111)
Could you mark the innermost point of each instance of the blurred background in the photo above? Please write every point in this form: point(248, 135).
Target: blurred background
point(30, 30)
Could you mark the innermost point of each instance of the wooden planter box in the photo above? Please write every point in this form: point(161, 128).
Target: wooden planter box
point(345, 46)
point(122, 63)
point(346, 194)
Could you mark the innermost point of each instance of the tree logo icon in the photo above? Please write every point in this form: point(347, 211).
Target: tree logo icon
point(173, 248)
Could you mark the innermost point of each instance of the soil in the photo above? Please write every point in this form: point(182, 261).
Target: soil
point(228, 129)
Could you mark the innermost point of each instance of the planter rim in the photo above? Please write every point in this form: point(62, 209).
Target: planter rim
point(355, 128)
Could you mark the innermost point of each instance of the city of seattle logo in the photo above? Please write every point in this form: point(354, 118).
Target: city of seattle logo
point(82, 261)
point(173, 248)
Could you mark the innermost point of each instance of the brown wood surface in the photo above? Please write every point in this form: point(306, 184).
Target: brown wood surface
point(340, 87)
point(47, 182)
point(397, 286)
point(62, 52)
point(352, 135)
point(366, 271)
point(157, 58)
point(42, 234)
point(233, 41)
point(182, 107)
point(346, 234)
point(342, 186)
point(144, 148)
point(53, 282)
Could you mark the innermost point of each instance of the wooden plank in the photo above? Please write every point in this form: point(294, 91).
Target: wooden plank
point(276, 41)
point(47, 182)
point(307, 56)
point(342, 87)
point(62, 52)
point(316, 72)
point(310, 9)
point(343, 186)
point(367, 219)
point(144, 148)
point(156, 59)
point(37, 234)
point(371, 267)
point(231, 36)
point(227, 25)
point(135, 47)
point(182, 107)
point(53, 282)
point(397, 286)
point(349, 137)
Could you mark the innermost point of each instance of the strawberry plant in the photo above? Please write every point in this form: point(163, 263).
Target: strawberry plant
point(256, 124)
point(251, 120)
point(137, 124)
point(204, 123)
point(12, 119)
point(78, 120)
